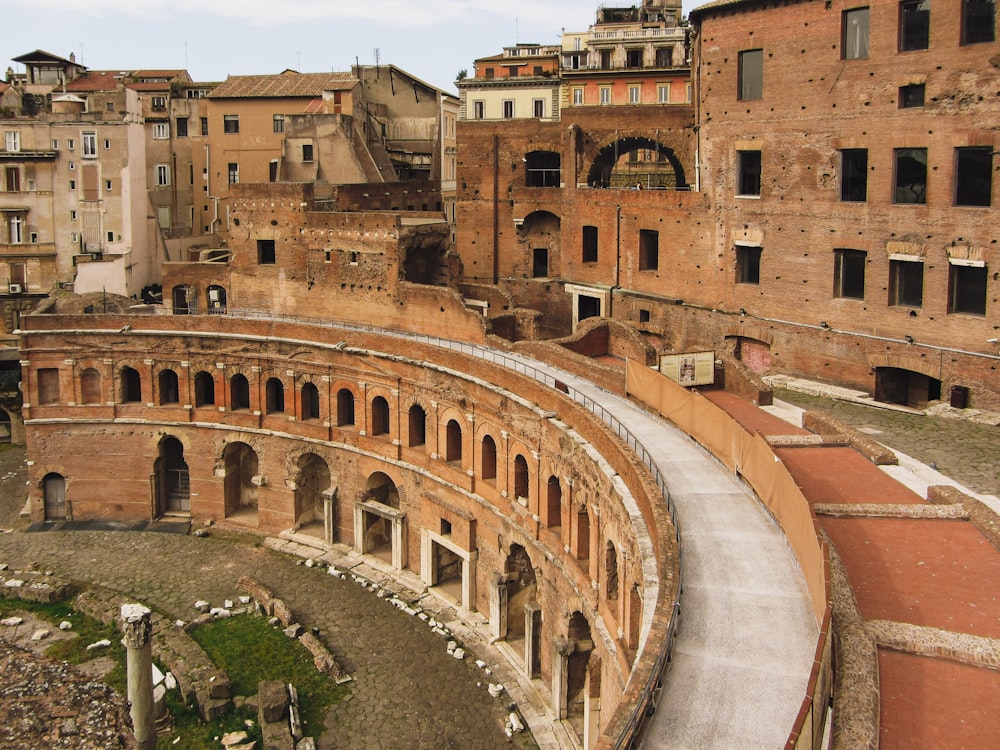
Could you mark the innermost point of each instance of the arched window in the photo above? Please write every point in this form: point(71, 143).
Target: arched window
point(611, 571)
point(520, 476)
point(239, 392)
point(418, 425)
point(167, 382)
point(131, 386)
point(553, 503)
point(216, 300)
point(310, 401)
point(274, 396)
point(204, 389)
point(380, 416)
point(489, 458)
point(90, 386)
point(453, 442)
point(345, 407)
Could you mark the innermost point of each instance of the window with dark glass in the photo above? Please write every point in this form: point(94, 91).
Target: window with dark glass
point(649, 250)
point(854, 174)
point(911, 96)
point(307, 152)
point(914, 24)
point(181, 126)
point(906, 283)
point(910, 176)
point(973, 176)
point(854, 42)
point(589, 244)
point(748, 164)
point(747, 264)
point(265, 252)
point(751, 73)
point(230, 123)
point(967, 289)
point(849, 273)
point(978, 21)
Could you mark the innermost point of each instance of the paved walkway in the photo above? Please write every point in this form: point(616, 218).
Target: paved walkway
point(922, 577)
point(747, 637)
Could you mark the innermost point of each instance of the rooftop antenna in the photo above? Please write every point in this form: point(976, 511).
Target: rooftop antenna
point(377, 52)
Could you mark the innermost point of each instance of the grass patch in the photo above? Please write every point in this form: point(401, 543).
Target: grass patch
point(195, 734)
point(250, 650)
point(74, 650)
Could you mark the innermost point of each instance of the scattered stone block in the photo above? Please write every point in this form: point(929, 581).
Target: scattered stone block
point(65, 625)
point(293, 631)
point(11, 621)
point(202, 606)
point(103, 643)
point(219, 685)
point(233, 738)
point(273, 700)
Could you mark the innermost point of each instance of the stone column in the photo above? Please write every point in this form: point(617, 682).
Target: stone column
point(561, 650)
point(592, 704)
point(498, 606)
point(137, 629)
point(399, 556)
point(532, 638)
point(329, 517)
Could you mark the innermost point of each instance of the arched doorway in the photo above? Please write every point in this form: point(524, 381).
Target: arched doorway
point(894, 385)
point(54, 497)
point(582, 692)
point(312, 480)
point(523, 612)
point(171, 480)
point(379, 523)
point(540, 232)
point(240, 466)
point(185, 300)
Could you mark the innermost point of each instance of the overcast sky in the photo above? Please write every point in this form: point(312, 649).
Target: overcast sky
point(431, 39)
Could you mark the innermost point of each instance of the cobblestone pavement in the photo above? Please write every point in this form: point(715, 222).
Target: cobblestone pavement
point(407, 692)
point(965, 451)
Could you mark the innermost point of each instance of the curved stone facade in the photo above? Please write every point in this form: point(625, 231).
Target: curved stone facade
point(503, 493)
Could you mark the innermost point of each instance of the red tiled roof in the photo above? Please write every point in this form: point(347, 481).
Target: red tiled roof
point(288, 84)
point(98, 80)
point(157, 86)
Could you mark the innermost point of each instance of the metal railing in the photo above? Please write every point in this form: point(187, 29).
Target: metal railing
point(650, 692)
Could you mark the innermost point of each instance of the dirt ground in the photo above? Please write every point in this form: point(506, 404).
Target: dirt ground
point(13, 486)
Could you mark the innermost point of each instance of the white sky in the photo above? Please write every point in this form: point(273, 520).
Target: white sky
point(431, 39)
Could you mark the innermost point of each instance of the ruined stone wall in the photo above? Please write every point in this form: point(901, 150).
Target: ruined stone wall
point(106, 444)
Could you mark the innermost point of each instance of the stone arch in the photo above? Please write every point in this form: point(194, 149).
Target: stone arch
point(637, 159)
point(216, 296)
point(381, 415)
point(488, 458)
point(522, 477)
point(91, 386)
point(453, 441)
point(130, 382)
point(241, 465)
point(522, 589)
point(204, 388)
point(416, 425)
point(379, 524)
point(553, 502)
point(540, 234)
point(239, 391)
point(171, 478)
point(167, 386)
point(312, 486)
point(346, 401)
point(610, 571)
point(309, 401)
point(542, 169)
point(274, 396)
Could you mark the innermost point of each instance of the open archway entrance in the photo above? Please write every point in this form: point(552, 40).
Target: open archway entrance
point(171, 480)
point(894, 385)
point(379, 524)
point(637, 162)
point(240, 464)
point(583, 683)
point(312, 495)
point(524, 614)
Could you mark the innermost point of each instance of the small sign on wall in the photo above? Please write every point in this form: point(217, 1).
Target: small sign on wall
point(690, 368)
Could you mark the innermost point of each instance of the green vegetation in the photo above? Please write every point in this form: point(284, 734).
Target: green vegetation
point(74, 650)
point(195, 734)
point(250, 650)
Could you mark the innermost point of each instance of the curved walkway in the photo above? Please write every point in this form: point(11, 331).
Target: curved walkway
point(740, 663)
point(747, 637)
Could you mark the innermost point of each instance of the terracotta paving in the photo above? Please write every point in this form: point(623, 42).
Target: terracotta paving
point(938, 573)
point(917, 692)
point(929, 572)
point(750, 417)
point(842, 475)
